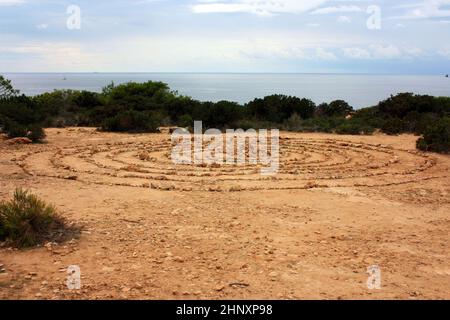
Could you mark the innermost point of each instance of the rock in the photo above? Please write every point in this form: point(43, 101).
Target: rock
point(21, 140)
point(235, 189)
point(178, 259)
point(219, 288)
point(144, 156)
point(239, 285)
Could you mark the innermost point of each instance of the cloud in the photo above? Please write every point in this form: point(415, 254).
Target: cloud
point(444, 53)
point(258, 7)
point(344, 19)
point(338, 9)
point(426, 9)
point(322, 54)
point(5, 3)
point(53, 56)
point(385, 52)
point(356, 53)
point(42, 26)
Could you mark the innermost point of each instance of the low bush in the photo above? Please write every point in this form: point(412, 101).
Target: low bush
point(322, 124)
point(131, 121)
point(294, 123)
point(355, 127)
point(393, 126)
point(436, 137)
point(15, 130)
point(26, 220)
point(36, 133)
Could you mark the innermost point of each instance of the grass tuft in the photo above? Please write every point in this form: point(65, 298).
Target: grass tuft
point(27, 221)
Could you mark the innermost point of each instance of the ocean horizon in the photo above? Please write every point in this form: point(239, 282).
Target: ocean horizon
point(358, 89)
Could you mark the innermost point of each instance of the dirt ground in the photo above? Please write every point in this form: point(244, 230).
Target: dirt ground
point(153, 230)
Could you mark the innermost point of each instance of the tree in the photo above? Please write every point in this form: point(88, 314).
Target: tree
point(338, 108)
point(277, 108)
point(436, 137)
point(36, 133)
point(6, 88)
point(131, 121)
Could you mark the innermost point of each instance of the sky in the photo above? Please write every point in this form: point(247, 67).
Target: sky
point(285, 36)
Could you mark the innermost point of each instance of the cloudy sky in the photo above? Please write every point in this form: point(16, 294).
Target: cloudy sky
point(355, 36)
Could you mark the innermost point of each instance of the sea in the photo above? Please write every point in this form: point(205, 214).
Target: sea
point(360, 90)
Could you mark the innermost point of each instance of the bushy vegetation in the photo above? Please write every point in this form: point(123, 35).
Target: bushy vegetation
point(355, 127)
point(143, 107)
point(19, 114)
point(130, 121)
point(26, 220)
point(409, 113)
point(436, 137)
point(6, 88)
point(36, 133)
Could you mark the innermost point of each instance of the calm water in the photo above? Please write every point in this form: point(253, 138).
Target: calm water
point(358, 90)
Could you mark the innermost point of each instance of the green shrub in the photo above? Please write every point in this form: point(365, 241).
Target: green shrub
point(2, 230)
point(36, 133)
point(26, 220)
point(322, 124)
point(436, 137)
point(354, 128)
point(277, 108)
point(294, 123)
point(15, 130)
point(338, 108)
point(393, 126)
point(186, 121)
point(6, 88)
point(131, 121)
point(255, 124)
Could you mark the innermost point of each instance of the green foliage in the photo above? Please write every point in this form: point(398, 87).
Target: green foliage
point(277, 108)
point(355, 127)
point(393, 126)
point(224, 114)
point(436, 137)
point(321, 124)
point(294, 123)
point(21, 109)
point(186, 121)
point(6, 88)
point(338, 108)
point(14, 130)
point(400, 105)
point(86, 99)
point(26, 220)
point(246, 124)
point(36, 133)
point(131, 121)
point(142, 107)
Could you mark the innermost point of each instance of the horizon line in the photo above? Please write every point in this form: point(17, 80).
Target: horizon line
point(200, 72)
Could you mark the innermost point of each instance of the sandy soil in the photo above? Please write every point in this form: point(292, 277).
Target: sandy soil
point(152, 230)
